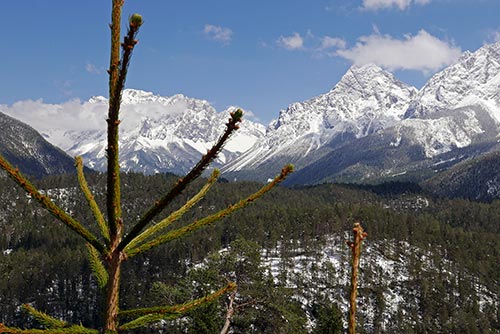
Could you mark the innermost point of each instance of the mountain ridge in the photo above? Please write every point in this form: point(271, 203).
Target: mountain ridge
point(27, 150)
point(457, 108)
point(160, 134)
point(347, 111)
point(369, 127)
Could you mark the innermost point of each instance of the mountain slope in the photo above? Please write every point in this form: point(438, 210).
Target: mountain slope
point(368, 127)
point(158, 134)
point(365, 101)
point(25, 148)
point(414, 150)
point(460, 105)
point(476, 76)
point(455, 116)
point(476, 179)
point(427, 266)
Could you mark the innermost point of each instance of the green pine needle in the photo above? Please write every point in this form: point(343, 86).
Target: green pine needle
point(50, 206)
point(43, 318)
point(98, 269)
point(75, 329)
point(99, 217)
point(153, 314)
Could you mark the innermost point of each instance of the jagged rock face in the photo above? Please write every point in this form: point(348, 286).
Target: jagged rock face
point(25, 148)
point(366, 100)
point(160, 134)
point(475, 77)
point(458, 108)
point(375, 124)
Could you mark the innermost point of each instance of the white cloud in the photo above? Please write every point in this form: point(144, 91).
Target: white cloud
point(61, 120)
point(400, 4)
point(493, 36)
point(218, 33)
point(311, 43)
point(91, 68)
point(422, 52)
point(328, 42)
point(293, 42)
point(65, 87)
point(72, 115)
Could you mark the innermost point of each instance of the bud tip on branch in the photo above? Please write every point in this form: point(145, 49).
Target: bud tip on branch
point(135, 20)
point(237, 115)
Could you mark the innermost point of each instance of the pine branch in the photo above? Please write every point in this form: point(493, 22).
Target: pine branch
point(129, 42)
point(181, 184)
point(113, 175)
point(97, 266)
point(75, 329)
point(91, 200)
point(118, 74)
point(174, 216)
point(43, 318)
point(175, 234)
point(153, 314)
point(50, 206)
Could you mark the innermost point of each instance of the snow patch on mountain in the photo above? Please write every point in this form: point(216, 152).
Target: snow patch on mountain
point(385, 265)
point(157, 133)
point(475, 76)
point(442, 135)
point(458, 107)
point(450, 110)
point(367, 99)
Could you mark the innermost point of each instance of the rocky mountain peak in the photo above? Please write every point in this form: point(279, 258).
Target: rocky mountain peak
point(364, 91)
point(163, 133)
point(370, 111)
point(476, 76)
point(367, 99)
point(365, 78)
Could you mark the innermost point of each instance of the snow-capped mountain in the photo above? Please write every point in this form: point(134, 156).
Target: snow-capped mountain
point(459, 105)
point(157, 133)
point(366, 100)
point(370, 125)
point(475, 77)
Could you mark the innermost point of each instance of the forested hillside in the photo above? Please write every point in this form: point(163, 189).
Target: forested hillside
point(429, 265)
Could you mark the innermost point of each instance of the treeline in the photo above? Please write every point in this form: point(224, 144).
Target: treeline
point(43, 264)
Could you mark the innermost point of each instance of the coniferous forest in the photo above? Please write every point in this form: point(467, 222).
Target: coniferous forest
point(429, 265)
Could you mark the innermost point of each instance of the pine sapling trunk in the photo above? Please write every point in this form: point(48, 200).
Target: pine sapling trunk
point(113, 290)
point(229, 313)
point(114, 261)
point(358, 235)
point(113, 258)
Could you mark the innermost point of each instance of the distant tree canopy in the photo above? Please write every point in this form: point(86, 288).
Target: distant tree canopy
point(464, 232)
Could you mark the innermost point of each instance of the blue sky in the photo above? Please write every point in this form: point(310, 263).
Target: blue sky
point(258, 54)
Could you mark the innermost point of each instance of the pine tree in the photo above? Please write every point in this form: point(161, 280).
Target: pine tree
point(118, 242)
point(358, 235)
